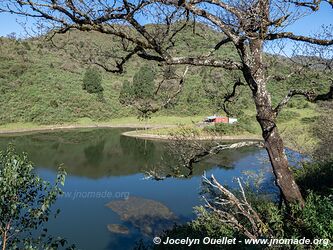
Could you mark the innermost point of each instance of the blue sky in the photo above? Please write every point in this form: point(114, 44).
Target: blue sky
point(305, 26)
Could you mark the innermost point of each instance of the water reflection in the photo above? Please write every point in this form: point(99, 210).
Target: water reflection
point(105, 152)
point(99, 160)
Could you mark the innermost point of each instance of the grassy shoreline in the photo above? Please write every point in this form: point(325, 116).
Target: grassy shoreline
point(157, 128)
point(296, 134)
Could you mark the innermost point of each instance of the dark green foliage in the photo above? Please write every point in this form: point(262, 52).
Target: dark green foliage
point(317, 177)
point(310, 222)
point(143, 83)
point(140, 93)
point(92, 81)
point(314, 218)
point(25, 203)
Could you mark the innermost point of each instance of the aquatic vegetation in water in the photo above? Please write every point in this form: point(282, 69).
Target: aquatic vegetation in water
point(151, 217)
point(119, 229)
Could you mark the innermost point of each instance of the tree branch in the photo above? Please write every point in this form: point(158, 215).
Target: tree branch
point(227, 29)
point(228, 97)
point(309, 95)
point(290, 35)
point(217, 149)
point(233, 210)
point(313, 5)
point(197, 157)
point(199, 61)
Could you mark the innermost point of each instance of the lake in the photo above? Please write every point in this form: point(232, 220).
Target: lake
point(104, 166)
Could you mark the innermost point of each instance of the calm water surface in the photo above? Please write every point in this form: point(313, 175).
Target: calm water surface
point(104, 166)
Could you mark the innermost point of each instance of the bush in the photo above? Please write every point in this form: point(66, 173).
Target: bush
point(143, 83)
point(126, 93)
point(316, 177)
point(310, 222)
point(140, 93)
point(25, 204)
point(225, 129)
point(92, 81)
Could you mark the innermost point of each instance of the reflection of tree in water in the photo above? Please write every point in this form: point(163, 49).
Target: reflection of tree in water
point(150, 155)
point(143, 148)
point(105, 152)
point(94, 153)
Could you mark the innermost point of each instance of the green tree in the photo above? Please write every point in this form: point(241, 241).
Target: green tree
point(25, 203)
point(92, 81)
point(140, 93)
point(126, 93)
point(143, 83)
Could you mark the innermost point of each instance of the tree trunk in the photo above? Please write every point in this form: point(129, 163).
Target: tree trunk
point(4, 240)
point(254, 74)
point(276, 152)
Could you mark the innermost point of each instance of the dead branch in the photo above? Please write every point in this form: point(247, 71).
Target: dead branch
point(233, 210)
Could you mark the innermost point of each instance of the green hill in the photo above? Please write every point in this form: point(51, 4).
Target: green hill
point(43, 84)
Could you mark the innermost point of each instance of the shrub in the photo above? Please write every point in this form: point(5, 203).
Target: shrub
point(316, 177)
point(310, 222)
point(25, 204)
point(92, 81)
point(143, 83)
point(126, 93)
point(140, 93)
point(224, 129)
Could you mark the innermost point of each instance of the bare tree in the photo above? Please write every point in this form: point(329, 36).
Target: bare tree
point(245, 25)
